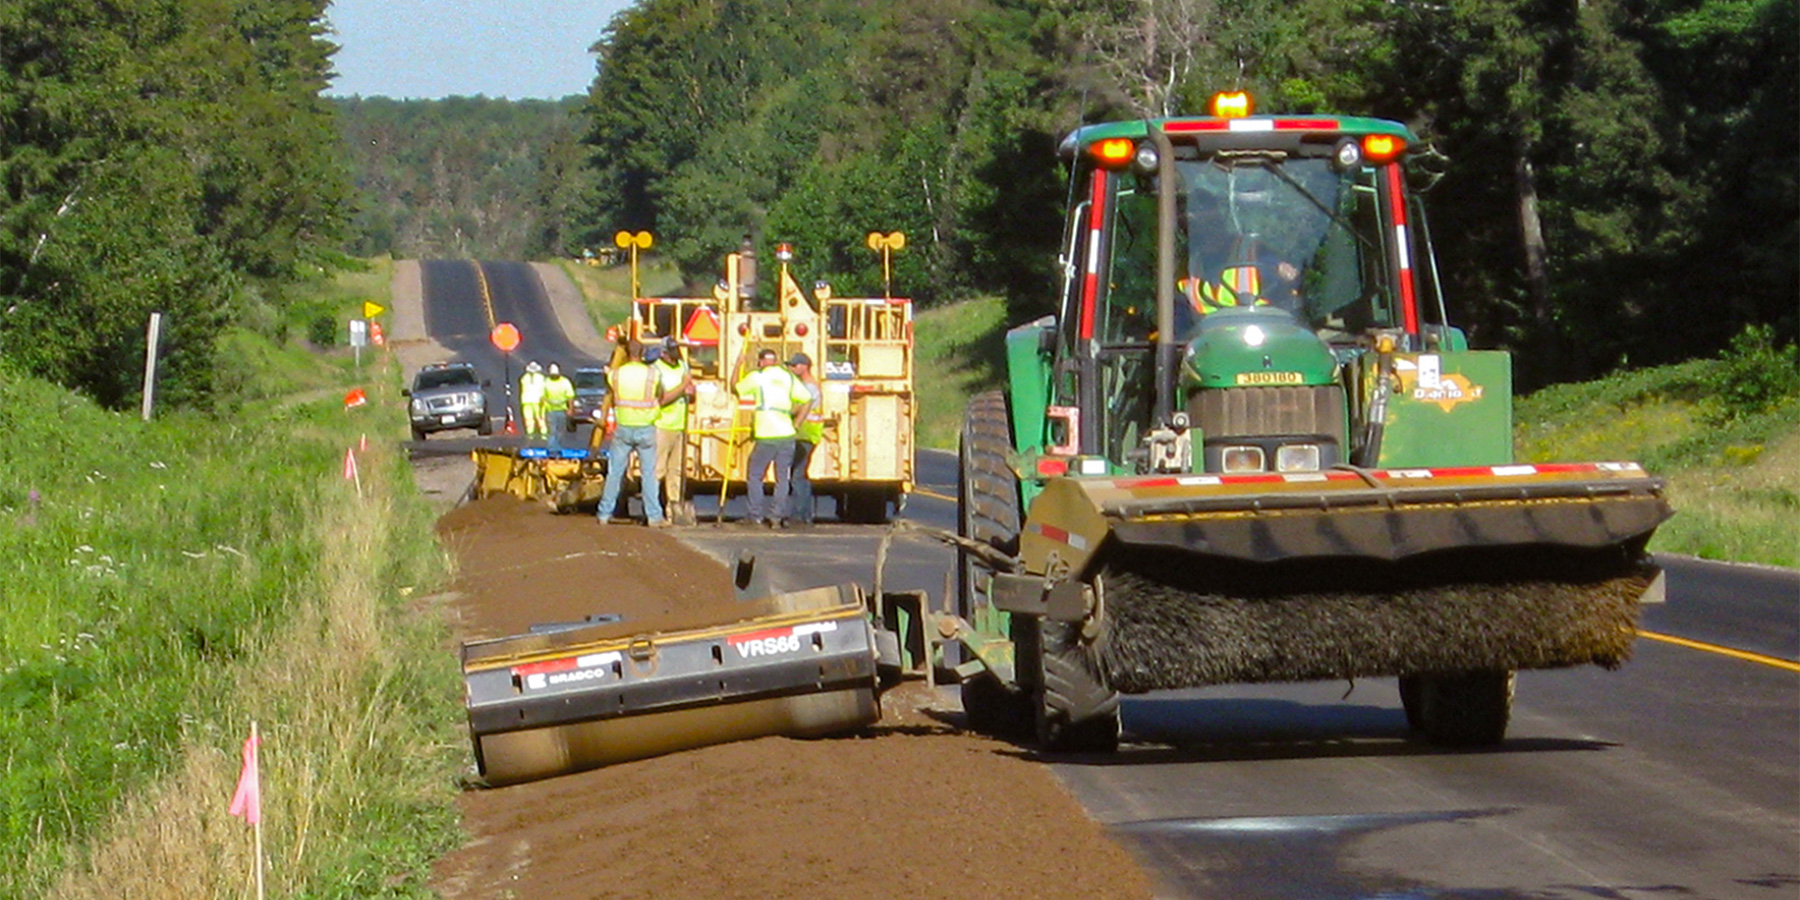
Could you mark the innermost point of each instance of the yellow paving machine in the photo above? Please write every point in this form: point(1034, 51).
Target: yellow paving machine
point(862, 348)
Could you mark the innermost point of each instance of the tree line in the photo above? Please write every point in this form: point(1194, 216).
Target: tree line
point(462, 176)
point(173, 156)
point(1615, 179)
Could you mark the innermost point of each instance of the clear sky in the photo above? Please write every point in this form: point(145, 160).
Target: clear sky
point(429, 49)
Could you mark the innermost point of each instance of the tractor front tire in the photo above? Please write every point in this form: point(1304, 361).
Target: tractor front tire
point(1076, 711)
point(987, 507)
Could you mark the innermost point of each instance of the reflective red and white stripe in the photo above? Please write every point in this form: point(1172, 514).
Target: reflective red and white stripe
point(1060, 536)
point(1090, 282)
point(1251, 125)
point(1336, 475)
point(1409, 303)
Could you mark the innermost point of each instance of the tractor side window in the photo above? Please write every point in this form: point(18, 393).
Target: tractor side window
point(1129, 315)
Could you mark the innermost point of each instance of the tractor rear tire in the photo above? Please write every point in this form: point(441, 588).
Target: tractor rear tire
point(1463, 709)
point(987, 508)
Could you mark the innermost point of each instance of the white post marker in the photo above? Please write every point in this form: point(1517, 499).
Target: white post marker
point(150, 363)
point(359, 337)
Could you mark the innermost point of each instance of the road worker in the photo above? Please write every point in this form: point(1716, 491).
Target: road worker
point(781, 402)
point(559, 394)
point(531, 400)
point(674, 383)
point(635, 408)
point(808, 434)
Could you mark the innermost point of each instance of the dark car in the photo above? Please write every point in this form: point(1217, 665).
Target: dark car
point(590, 393)
point(446, 396)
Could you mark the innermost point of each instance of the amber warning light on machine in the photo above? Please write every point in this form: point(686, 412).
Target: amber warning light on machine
point(1230, 105)
point(1114, 152)
point(1380, 148)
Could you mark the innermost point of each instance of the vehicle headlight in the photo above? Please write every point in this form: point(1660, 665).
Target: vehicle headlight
point(1241, 459)
point(418, 405)
point(472, 399)
point(1297, 458)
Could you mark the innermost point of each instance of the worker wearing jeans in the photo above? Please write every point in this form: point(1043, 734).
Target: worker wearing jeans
point(781, 403)
point(809, 433)
point(674, 382)
point(635, 407)
point(558, 393)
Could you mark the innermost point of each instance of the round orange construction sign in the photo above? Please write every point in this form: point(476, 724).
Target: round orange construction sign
point(505, 336)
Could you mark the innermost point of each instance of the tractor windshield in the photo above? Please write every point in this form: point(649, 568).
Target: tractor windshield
point(1256, 229)
point(1291, 233)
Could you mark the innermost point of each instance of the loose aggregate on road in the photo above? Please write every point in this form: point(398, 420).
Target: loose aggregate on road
point(912, 806)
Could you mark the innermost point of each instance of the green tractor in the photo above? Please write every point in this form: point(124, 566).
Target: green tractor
point(1250, 447)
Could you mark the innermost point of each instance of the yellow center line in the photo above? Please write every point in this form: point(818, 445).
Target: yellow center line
point(934, 495)
point(487, 300)
point(1745, 655)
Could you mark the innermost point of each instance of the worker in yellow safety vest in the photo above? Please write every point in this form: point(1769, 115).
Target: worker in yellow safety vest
point(559, 393)
point(531, 400)
point(1240, 285)
point(781, 402)
point(808, 434)
point(635, 400)
point(674, 383)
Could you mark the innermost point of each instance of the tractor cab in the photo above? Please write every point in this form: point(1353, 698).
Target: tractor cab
point(1210, 255)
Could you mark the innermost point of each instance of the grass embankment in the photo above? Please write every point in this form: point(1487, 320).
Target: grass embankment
point(173, 580)
point(607, 289)
point(1733, 467)
point(959, 350)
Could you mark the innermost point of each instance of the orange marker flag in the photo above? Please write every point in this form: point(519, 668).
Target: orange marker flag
point(247, 802)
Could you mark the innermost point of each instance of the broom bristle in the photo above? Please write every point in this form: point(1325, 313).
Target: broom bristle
point(1167, 629)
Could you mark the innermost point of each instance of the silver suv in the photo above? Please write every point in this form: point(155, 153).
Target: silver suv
point(446, 396)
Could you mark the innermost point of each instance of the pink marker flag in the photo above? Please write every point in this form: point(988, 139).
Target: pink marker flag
point(247, 802)
point(350, 473)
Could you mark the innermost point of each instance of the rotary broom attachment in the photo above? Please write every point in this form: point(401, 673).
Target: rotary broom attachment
point(1180, 621)
point(1201, 579)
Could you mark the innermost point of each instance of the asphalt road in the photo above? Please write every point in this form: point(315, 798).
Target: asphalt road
point(460, 315)
point(1677, 776)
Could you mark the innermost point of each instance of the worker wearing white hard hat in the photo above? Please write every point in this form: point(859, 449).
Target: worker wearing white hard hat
point(531, 400)
point(559, 394)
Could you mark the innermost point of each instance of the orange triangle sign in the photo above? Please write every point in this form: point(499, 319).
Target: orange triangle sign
point(702, 327)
